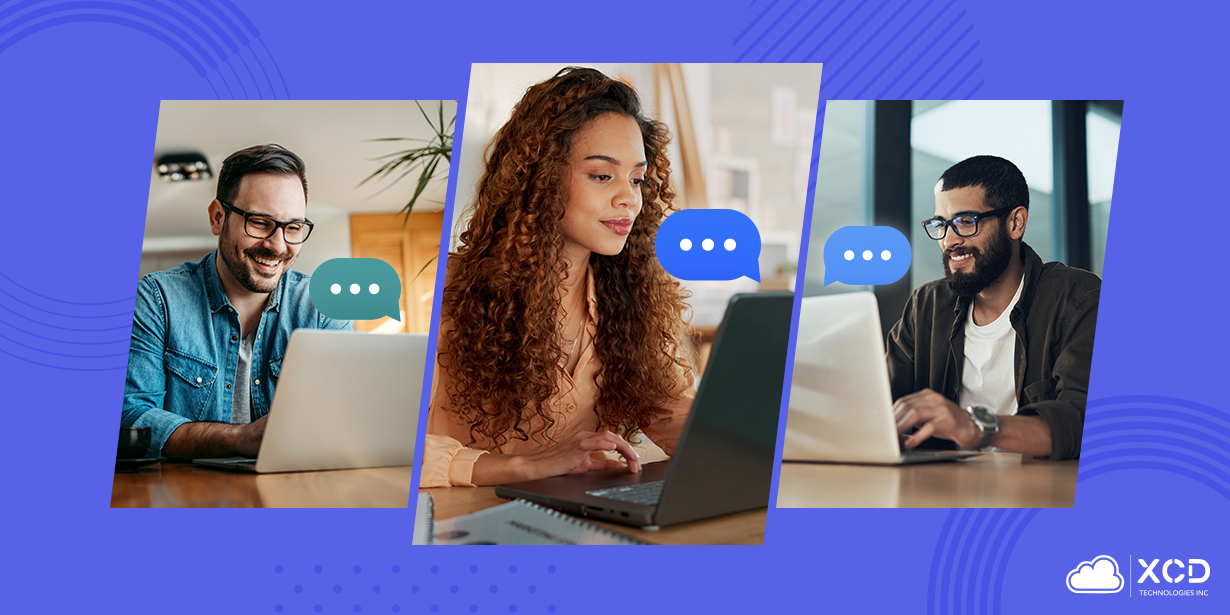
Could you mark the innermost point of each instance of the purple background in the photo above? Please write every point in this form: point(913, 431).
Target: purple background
point(81, 84)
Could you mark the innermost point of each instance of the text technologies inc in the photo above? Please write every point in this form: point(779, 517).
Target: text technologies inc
point(1176, 575)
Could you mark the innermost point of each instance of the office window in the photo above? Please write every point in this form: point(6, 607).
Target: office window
point(842, 197)
point(1102, 123)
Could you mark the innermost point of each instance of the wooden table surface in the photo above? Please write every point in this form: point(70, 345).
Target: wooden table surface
point(179, 485)
point(745, 528)
point(991, 480)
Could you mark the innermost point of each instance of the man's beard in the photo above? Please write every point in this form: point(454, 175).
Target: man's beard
point(988, 266)
point(243, 273)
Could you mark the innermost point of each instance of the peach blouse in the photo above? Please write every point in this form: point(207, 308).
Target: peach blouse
point(446, 461)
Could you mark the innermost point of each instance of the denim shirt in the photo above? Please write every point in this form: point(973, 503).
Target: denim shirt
point(185, 348)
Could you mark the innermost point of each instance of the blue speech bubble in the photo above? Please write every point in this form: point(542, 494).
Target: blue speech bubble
point(356, 289)
point(866, 255)
point(709, 244)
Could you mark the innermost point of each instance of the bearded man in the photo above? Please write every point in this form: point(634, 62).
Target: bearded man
point(997, 354)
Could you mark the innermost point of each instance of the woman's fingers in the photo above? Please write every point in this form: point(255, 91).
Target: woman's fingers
point(629, 455)
point(607, 441)
point(609, 464)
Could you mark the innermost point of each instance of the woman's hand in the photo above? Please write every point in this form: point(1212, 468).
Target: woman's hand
point(573, 455)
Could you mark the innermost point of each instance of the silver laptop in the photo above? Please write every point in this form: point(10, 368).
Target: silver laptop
point(841, 405)
point(344, 400)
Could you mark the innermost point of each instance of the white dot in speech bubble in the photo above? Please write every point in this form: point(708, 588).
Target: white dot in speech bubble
point(335, 289)
point(685, 245)
point(354, 289)
point(374, 289)
point(886, 255)
point(729, 244)
point(707, 244)
point(849, 255)
point(866, 255)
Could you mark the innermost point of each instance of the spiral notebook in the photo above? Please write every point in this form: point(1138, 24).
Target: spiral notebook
point(522, 523)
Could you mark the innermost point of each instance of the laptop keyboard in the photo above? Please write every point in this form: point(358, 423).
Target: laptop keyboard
point(644, 493)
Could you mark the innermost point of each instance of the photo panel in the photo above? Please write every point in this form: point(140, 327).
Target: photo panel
point(616, 313)
point(950, 300)
point(283, 306)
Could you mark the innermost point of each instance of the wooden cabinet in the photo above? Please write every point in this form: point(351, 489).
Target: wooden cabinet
point(411, 245)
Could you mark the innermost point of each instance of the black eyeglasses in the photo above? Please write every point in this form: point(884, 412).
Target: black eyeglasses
point(259, 226)
point(965, 225)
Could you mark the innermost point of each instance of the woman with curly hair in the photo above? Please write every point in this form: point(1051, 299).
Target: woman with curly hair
point(561, 336)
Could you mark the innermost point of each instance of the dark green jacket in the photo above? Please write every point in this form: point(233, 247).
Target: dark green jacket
point(1054, 323)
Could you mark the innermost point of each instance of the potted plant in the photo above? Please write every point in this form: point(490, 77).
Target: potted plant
point(424, 160)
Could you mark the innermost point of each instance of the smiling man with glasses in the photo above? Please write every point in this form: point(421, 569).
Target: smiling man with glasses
point(998, 353)
point(208, 337)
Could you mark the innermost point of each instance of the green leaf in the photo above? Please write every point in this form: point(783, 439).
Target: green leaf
point(425, 160)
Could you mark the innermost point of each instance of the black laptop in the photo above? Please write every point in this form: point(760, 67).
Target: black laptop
point(724, 460)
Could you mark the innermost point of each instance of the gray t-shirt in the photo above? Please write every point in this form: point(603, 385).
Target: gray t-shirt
point(241, 407)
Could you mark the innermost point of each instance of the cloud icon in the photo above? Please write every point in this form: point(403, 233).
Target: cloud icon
point(1100, 576)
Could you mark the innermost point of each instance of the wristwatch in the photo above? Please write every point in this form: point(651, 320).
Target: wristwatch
point(987, 422)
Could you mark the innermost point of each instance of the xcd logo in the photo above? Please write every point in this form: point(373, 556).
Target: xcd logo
point(1192, 567)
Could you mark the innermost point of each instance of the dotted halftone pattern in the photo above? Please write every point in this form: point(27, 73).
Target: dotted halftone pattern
point(479, 587)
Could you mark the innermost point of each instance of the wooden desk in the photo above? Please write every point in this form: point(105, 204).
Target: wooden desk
point(992, 480)
point(178, 485)
point(745, 528)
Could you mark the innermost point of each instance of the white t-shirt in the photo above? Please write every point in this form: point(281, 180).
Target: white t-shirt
point(987, 379)
point(241, 404)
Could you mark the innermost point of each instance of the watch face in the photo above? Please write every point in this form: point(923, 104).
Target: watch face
point(983, 415)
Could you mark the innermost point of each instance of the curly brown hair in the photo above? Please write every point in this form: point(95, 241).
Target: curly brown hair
point(504, 289)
